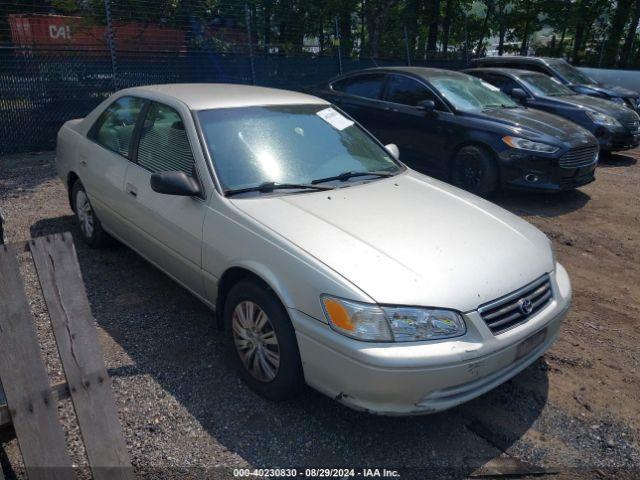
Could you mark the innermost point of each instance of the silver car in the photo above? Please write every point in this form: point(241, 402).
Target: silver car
point(327, 260)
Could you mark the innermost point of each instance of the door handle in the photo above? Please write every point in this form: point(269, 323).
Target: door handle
point(131, 190)
point(83, 160)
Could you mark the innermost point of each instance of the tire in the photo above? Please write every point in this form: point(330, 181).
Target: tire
point(475, 170)
point(91, 229)
point(251, 308)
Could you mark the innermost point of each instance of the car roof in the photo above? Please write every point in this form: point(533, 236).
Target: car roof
point(422, 72)
point(513, 58)
point(516, 72)
point(205, 96)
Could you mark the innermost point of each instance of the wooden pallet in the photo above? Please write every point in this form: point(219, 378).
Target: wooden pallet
point(31, 407)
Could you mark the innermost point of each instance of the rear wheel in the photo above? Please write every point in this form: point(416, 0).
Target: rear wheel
point(475, 170)
point(90, 227)
point(263, 341)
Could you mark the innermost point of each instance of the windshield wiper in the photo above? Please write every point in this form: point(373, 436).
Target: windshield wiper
point(268, 187)
point(344, 176)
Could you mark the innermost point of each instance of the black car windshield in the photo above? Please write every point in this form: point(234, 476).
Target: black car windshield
point(290, 144)
point(545, 86)
point(570, 73)
point(468, 93)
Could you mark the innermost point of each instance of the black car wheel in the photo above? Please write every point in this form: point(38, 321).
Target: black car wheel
point(263, 341)
point(475, 170)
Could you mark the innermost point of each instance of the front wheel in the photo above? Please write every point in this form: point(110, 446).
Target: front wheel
point(475, 170)
point(90, 227)
point(263, 341)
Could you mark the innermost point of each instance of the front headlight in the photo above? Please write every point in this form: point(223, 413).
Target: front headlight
point(364, 321)
point(604, 120)
point(524, 144)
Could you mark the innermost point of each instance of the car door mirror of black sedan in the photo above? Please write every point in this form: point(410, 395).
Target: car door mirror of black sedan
point(393, 149)
point(427, 106)
point(174, 183)
point(519, 94)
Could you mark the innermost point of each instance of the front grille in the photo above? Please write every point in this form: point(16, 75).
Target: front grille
point(510, 310)
point(579, 157)
point(576, 181)
point(633, 125)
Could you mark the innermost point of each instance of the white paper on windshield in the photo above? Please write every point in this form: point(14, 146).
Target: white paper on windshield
point(334, 118)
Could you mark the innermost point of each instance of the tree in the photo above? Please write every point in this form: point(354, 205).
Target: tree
point(616, 29)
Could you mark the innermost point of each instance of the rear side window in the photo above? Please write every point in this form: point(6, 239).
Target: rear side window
point(368, 86)
point(114, 128)
point(407, 91)
point(505, 84)
point(164, 145)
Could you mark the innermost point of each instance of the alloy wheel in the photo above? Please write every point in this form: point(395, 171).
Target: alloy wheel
point(255, 341)
point(84, 213)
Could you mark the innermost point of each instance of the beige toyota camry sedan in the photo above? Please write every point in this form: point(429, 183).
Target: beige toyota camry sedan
point(327, 261)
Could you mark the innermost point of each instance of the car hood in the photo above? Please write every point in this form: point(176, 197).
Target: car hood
point(612, 91)
point(411, 240)
point(600, 105)
point(534, 124)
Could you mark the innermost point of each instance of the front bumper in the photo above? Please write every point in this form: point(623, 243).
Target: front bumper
point(424, 377)
point(528, 171)
point(616, 141)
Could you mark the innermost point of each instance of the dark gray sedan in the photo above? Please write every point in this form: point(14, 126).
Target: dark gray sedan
point(615, 126)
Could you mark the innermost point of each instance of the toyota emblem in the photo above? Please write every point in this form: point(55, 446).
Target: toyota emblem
point(525, 305)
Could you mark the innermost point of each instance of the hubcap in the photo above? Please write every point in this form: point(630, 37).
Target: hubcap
point(84, 213)
point(255, 341)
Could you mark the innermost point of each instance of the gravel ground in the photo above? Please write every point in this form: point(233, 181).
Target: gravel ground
point(572, 414)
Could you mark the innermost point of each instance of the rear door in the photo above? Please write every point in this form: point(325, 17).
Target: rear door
point(167, 229)
point(423, 137)
point(103, 160)
point(360, 96)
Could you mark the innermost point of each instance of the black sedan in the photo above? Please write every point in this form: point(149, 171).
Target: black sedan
point(566, 74)
point(459, 128)
point(615, 126)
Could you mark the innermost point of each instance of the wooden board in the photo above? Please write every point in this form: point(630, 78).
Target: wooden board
point(33, 409)
point(81, 356)
point(60, 390)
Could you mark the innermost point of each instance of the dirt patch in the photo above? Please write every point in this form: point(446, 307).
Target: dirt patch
point(183, 408)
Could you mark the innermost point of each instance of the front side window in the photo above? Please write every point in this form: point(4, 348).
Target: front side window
point(467, 93)
point(407, 91)
point(368, 86)
point(114, 128)
point(545, 86)
point(164, 145)
point(294, 144)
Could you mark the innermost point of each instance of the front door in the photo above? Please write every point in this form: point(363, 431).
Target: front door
point(166, 229)
point(422, 136)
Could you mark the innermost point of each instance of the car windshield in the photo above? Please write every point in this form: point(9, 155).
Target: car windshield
point(570, 73)
point(468, 93)
point(290, 145)
point(545, 86)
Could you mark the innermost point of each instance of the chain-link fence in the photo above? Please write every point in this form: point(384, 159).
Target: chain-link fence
point(60, 58)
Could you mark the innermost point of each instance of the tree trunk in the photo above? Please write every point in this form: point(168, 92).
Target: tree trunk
point(485, 23)
point(502, 28)
point(627, 48)
point(267, 24)
point(432, 39)
point(612, 47)
point(344, 24)
point(446, 25)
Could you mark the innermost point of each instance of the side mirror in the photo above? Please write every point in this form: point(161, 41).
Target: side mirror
point(174, 183)
point(393, 149)
point(427, 105)
point(519, 94)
